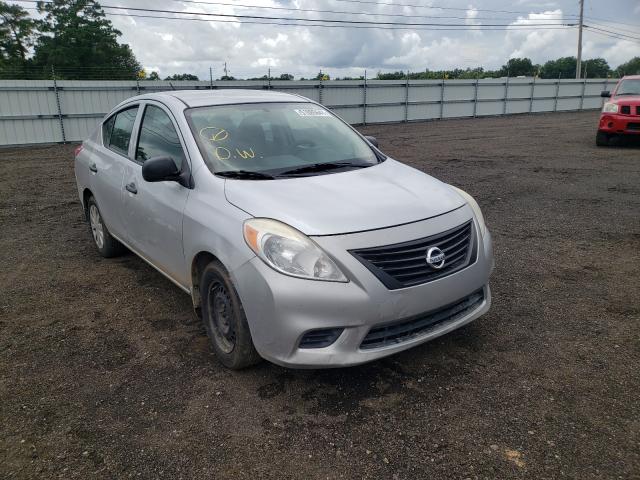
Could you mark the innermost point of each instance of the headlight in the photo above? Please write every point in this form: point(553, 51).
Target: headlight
point(475, 207)
point(289, 251)
point(610, 107)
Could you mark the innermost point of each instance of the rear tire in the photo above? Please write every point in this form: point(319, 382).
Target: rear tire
point(104, 242)
point(602, 139)
point(224, 319)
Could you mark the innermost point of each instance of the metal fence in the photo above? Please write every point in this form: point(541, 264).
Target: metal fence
point(48, 111)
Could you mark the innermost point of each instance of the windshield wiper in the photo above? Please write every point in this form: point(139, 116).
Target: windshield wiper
point(627, 93)
point(245, 174)
point(321, 167)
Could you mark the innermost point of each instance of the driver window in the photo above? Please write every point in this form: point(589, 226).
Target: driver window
point(158, 137)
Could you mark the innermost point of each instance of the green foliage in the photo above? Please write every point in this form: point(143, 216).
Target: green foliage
point(16, 35)
point(182, 76)
point(595, 68)
point(78, 40)
point(632, 67)
point(517, 67)
point(564, 67)
point(153, 76)
point(285, 76)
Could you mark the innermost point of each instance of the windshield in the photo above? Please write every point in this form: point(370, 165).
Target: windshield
point(276, 139)
point(629, 87)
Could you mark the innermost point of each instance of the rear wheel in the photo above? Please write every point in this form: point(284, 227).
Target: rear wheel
point(224, 319)
point(602, 139)
point(105, 243)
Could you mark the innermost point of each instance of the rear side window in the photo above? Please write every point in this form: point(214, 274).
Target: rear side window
point(107, 128)
point(158, 137)
point(117, 136)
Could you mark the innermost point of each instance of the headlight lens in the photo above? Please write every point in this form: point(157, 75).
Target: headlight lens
point(476, 209)
point(610, 107)
point(289, 251)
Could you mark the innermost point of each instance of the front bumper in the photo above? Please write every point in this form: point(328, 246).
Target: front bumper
point(615, 123)
point(281, 309)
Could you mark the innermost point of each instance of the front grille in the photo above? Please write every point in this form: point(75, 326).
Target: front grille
point(625, 109)
point(408, 329)
point(320, 338)
point(405, 265)
point(633, 126)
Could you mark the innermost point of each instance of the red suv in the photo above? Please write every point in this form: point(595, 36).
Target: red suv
point(621, 114)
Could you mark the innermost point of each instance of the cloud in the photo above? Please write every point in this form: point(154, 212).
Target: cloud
point(172, 46)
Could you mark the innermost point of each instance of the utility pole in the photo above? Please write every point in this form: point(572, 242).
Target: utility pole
point(579, 63)
point(225, 70)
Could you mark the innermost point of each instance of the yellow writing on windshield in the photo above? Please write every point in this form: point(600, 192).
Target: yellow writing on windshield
point(246, 154)
point(214, 134)
point(218, 137)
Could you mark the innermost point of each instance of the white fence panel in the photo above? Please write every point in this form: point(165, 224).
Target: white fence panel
point(45, 111)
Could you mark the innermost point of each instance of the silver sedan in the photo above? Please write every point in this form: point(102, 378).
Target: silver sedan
point(298, 240)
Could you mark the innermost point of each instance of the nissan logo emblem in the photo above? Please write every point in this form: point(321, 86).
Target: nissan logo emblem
point(435, 258)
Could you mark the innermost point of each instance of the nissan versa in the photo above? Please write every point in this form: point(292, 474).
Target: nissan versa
point(298, 240)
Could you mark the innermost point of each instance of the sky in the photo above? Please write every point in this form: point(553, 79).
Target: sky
point(172, 46)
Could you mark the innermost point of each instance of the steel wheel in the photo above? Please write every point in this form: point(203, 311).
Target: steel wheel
point(96, 226)
point(220, 317)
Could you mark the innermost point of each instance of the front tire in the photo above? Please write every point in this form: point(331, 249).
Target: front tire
point(602, 139)
point(224, 319)
point(104, 242)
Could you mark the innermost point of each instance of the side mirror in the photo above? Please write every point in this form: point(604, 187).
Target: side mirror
point(160, 169)
point(372, 140)
point(605, 94)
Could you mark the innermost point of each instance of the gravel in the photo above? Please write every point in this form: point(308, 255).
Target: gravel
point(106, 373)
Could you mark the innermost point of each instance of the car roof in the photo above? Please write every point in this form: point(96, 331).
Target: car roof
point(201, 98)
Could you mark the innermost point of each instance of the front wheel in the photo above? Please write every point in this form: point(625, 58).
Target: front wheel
point(224, 319)
point(602, 139)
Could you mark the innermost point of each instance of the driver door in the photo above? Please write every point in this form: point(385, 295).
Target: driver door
point(153, 210)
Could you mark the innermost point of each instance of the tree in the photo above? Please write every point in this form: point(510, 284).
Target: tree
point(80, 42)
point(322, 76)
point(285, 76)
point(595, 68)
point(16, 34)
point(153, 76)
point(516, 67)
point(564, 67)
point(182, 76)
point(632, 67)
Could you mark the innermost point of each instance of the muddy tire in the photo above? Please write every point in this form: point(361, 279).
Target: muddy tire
point(104, 242)
point(224, 319)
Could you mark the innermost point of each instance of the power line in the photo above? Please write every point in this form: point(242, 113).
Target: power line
point(443, 27)
point(623, 30)
point(440, 27)
point(622, 35)
point(344, 12)
point(611, 21)
point(313, 20)
point(433, 7)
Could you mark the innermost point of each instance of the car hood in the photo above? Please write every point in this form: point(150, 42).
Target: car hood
point(627, 99)
point(380, 196)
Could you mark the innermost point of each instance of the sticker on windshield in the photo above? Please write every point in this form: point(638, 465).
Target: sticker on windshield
point(312, 112)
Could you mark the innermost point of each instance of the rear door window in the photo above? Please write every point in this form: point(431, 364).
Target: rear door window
point(158, 137)
point(119, 137)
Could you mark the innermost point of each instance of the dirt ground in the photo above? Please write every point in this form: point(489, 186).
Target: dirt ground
point(106, 373)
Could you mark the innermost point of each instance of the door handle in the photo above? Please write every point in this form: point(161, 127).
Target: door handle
point(131, 188)
point(93, 168)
